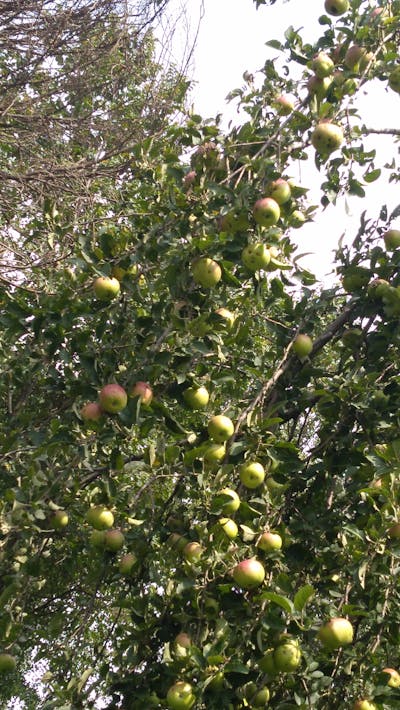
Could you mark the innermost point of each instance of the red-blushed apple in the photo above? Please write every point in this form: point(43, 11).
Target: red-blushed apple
point(220, 428)
point(58, 519)
point(106, 288)
point(127, 563)
point(230, 501)
point(180, 696)
point(280, 191)
point(113, 540)
point(394, 677)
point(7, 663)
point(336, 7)
point(96, 539)
point(394, 532)
point(266, 212)
point(226, 318)
point(284, 105)
point(302, 345)
point(336, 633)
point(91, 412)
point(252, 474)
point(189, 179)
point(249, 573)
point(287, 657)
point(193, 551)
point(196, 397)
point(364, 704)
point(392, 239)
point(181, 645)
point(269, 541)
point(322, 65)
point(229, 527)
point(100, 518)
point(213, 453)
point(327, 137)
point(143, 391)
point(113, 398)
point(256, 256)
point(206, 272)
point(353, 56)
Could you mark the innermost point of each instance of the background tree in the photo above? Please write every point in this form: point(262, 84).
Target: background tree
point(262, 543)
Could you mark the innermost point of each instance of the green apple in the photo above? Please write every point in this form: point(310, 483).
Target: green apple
point(192, 552)
point(327, 137)
point(352, 338)
point(256, 256)
point(100, 518)
point(318, 86)
point(180, 696)
point(127, 563)
point(196, 397)
point(229, 527)
point(91, 412)
point(177, 542)
point(214, 453)
point(280, 191)
point(355, 278)
point(113, 540)
point(58, 519)
point(269, 541)
point(113, 398)
point(266, 212)
point(220, 428)
point(143, 391)
point(322, 65)
point(394, 677)
point(249, 573)
point(7, 663)
point(230, 500)
point(206, 272)
point(96, 539)
point(302, 345)
point(267, 664)
point(287, 657)
point(392, 239)
point(297, 219)
point(336, 633)
point(252, 474)
point(394, 80)
point(284, 105)
point(261, 698)
point(106, 288)
point(364, 704)
point(227, 318)
point(336, 7)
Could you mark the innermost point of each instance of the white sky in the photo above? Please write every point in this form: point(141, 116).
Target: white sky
point(231, 40)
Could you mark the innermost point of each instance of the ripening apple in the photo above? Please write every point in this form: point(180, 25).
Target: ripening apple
point(364, 704)
point(280, 191)
point(177, 542)
point(252, 474)
point(100, 518)
point(336, 7)
point(327, 137)
point(318, 86)
point(206, 272)
point(229, 527)
point(220, 428)
point(180, 645)
point(266, 212)
point(353, 56)
point(192, 552)
point(7, 663)
point(143, 391)
point(322, 65)
point(58, 519)
point(394, 531)
point(232, 503)
point(91, 412)
point(113, 540)
point(113, 398)
point(394, 677)
point(214, 453)
point(189, 179)
point(256, 256)
point(180, 696)
point(249, 574)
point(106, 288)
point(392, 239)
point(227, 318)
point(269, 541)
point(284, 105)
point(287, 657)
point(127, 563)
point(336, 633)
point(394, 80)
point(196, 397)
point(302, 345)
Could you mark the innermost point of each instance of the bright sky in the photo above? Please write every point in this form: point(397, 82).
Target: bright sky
point(231, 40)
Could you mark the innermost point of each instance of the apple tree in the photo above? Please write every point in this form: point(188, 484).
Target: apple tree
point(199, 441)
